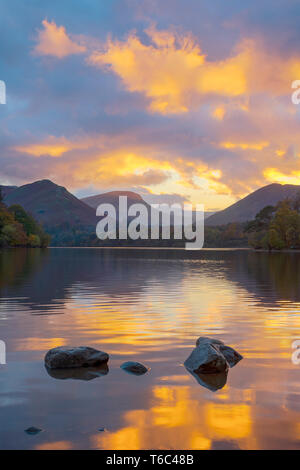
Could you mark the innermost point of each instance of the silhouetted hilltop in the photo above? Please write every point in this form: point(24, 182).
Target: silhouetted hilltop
point(72, 222)
point(247, 208)
point(52, 205)
point(112, 197)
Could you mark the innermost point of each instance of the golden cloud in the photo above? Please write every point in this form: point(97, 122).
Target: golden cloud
point(245, 145)
point(276, 176)
point(53, 40)
point(175, 75)
point(112, 162)
point(52, 146)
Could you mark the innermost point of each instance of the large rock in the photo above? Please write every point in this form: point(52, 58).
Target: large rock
point(206, 359)
point(82, 356)
point(230, 354)
point(135, 368)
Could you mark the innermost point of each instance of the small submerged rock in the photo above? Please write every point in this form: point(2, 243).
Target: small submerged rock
point(134, 368)
point(32, 431)
point(102, 430)
point(82, 356)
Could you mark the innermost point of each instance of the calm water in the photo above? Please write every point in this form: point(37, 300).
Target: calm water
point(150, 306)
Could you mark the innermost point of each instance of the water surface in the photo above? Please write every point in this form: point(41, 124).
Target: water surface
point(150, 306)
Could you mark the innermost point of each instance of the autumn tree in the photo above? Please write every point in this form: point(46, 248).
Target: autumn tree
point(276, 228)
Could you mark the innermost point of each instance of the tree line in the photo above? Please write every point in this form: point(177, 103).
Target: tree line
point(273, 228)
point(276, 227)
point(19, 229)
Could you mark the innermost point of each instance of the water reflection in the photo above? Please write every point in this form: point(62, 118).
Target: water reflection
point(213, 382)
point(44, 278)
point(150, 306)
point(82, 373)
point(177, 420)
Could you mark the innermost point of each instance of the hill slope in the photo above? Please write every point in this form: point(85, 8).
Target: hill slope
point(52, 205)
point(112, 197)
point(7, 189)
point(248, 207)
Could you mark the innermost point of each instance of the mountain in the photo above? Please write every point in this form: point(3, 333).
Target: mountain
point(52, 205)
point(7, 189)
point(112, 197)
point(208, 214)
point(72, 221)
point(247, 208)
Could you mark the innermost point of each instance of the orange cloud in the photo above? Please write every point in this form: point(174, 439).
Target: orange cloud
point(245, 145)
point(160, 71)
point(54, 41)
point(115, 162)
point(276, 176)
point(175, 75)
point(52, 146)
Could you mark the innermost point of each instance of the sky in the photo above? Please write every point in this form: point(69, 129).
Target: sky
point(177, 100)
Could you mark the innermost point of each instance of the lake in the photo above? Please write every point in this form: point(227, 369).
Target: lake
point(150, 306)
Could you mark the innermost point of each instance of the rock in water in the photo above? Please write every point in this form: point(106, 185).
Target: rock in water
point(206, 359)
point(82, 356)
point(207, 340)
point(32, 431)
point(134, 368)
point(230, 354)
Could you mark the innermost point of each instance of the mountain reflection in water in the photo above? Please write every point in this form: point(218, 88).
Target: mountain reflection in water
point(150, 306)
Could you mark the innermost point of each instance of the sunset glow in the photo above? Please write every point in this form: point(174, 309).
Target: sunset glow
point(158, 107)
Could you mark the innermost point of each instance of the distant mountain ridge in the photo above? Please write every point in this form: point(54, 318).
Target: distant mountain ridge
point(247, 208)
point(7, 189)
point(54, 206)
point(112, 197)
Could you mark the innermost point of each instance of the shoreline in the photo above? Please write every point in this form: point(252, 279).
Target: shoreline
point(176, 248)
point(150, 248)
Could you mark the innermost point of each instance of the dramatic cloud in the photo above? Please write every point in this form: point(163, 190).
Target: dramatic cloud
point(52, 146)
point(175, 74)
point(198, 106)
point(54, 41)
point(103, 161)
point(272, 174)
point(245, 145)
